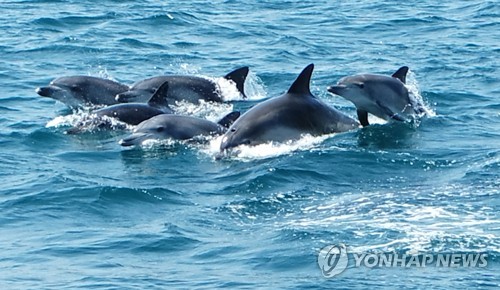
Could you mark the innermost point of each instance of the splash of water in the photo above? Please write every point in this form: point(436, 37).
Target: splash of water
point(414, 90)
point(206, 110)
point(254, 88)
point(84, 121)
point(267, 150)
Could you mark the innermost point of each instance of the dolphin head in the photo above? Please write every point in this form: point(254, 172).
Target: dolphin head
point(51, 91)
point(134, 139)
point(236, 136)
point(64, 90)
point(352, 88)
point(153, 128)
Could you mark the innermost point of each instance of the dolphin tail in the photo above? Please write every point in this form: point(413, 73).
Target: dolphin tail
point(301, 85)
point(229, 119)
point(401, 74)
point(159, 98)
point(239, 76)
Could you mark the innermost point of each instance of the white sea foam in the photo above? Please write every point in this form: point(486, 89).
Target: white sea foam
point(206, 110)
point(85, 121)
point(154, 143)
point(266, 150)
point(417, 228)
point(414, 90)
point(63, 121)
point(254, 88)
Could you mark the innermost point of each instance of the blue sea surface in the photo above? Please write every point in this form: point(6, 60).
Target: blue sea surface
point(80, 211)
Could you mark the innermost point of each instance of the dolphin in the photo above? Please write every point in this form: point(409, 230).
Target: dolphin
point(183, 88)
point(80, 91)
point(287, 117)
point(129, 113)
point(383, 96)
point(177, 127)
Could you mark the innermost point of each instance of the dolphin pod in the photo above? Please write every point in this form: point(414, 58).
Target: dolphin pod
point(279, 119)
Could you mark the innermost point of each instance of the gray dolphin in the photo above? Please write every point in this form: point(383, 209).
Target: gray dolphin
point(183, 88)
point(79, 91)
point(287, 117)
point(383, 96)
point(129, 113)
point(177, 127)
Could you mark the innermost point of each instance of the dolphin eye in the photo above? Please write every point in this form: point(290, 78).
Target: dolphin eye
point(160, 129)
point(360, 85)
point(233, 130)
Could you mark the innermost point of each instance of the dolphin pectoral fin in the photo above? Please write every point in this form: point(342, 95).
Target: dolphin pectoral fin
point(159, 98)
point(239, 76)
point(363, 117)
point(401, 74)
point(301, 85)
point(229, 119)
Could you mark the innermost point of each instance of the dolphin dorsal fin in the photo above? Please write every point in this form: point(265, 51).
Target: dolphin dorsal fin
point(229, 119)
point(301, 85)
point(400, 74)
point(159, 98)
point(238, 76)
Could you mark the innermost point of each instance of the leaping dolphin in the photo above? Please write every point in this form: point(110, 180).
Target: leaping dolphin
point(287, 117)
point(80, 91)
point(383, 96)
point(177, 127)
point(183, 88)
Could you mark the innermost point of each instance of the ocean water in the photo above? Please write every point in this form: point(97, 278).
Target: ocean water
point(80, 211)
